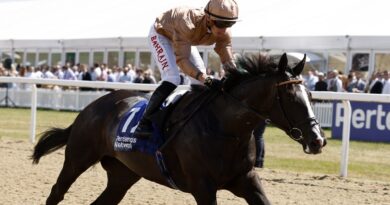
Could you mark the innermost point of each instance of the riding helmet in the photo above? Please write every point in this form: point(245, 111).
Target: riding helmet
point(222, 10)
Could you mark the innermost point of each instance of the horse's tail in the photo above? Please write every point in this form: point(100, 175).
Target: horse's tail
point(50, 141)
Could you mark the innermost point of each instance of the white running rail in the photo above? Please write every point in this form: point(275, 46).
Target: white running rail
point(344, 97)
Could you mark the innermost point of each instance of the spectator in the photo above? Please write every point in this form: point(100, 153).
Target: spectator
point(38, 72)
point(75, 70)
point(46, 73)
point(386, 83)
point(104, 73)
point(125, 77)
point(110, 75)
point(85, 75)
point(58, 72)
point(139, 78)
point(258, 133)
point(321, 84)
point(68, 73)
point(30, 73)
point(148, 77)
point(359, 84)
point(311, 80)
point(334, 82)
point(96, 72)
point(375, 85)
point(344, 82)
point(22, 71)
point(131, 71)
point(118, 73)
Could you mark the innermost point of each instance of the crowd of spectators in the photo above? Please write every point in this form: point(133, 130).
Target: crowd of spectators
point(333, 80)
point(354, 82)
point(98, 72)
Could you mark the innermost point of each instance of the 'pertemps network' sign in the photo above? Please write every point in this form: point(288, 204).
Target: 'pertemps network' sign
point(369, 121)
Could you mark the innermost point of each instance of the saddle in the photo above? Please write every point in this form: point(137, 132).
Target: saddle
point(182, 103)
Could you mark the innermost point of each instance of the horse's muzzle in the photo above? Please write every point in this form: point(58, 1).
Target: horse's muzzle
point(315, 147)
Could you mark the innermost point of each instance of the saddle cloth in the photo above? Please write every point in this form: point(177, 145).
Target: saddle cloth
point(125, 141)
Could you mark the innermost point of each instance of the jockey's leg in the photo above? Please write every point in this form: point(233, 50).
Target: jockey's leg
point(145, 128)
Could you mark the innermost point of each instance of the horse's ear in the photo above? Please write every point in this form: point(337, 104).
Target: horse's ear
point(283, 63)
point(299, 67)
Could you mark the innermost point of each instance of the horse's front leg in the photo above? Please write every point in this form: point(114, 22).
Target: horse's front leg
point(204, 192)
point(249, 187)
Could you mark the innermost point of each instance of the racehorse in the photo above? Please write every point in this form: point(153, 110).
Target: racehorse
point(211, 149)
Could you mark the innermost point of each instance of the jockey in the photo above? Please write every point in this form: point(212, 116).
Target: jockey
point(172, 40)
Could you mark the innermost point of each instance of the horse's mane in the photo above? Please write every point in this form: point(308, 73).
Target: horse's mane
point(249, 66)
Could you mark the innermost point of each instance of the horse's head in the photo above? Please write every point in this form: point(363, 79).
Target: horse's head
point(274, 91)
point(292, 111)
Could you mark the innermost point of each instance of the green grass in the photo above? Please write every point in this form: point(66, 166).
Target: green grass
point(15, 123)
point(366, 160)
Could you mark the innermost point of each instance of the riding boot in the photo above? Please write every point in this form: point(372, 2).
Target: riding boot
point(145, 128)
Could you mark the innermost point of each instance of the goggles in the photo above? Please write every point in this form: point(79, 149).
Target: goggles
point(223, 24)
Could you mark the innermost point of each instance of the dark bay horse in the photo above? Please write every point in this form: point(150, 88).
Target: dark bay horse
point(213, 150)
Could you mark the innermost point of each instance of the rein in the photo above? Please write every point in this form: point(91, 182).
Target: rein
point(253, 110)
point(289, 82)
point(256, 112)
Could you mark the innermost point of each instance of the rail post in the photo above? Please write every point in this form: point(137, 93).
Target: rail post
point(345, 140)
point(33, 112)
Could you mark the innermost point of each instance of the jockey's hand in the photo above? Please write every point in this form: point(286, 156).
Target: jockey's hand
point(213, 83)
point(230, 66)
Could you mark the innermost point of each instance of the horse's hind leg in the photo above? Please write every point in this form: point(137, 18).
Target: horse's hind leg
point(120, 179)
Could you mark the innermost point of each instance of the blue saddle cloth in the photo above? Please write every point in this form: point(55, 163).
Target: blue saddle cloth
point(125, 141)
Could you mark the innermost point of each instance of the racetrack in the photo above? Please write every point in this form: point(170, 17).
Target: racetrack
point(24, 183)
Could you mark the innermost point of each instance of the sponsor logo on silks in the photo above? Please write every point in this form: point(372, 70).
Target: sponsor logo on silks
point(369, 121)
point(161, 58)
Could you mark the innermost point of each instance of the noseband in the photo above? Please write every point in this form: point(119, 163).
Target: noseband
point(294, 132)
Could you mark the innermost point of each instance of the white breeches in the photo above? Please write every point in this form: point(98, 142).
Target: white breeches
point(163, 54)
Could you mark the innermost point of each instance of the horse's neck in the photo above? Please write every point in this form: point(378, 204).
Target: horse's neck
point(244, 106)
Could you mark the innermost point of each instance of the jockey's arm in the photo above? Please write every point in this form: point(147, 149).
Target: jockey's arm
point(188, 68)
point(183, 52)
point(223, 47)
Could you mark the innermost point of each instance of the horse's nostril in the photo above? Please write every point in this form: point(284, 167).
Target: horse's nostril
point(317, 144)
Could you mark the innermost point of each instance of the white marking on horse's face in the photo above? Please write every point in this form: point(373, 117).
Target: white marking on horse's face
point(306, 100)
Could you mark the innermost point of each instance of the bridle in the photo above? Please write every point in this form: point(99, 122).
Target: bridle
point(294, 132)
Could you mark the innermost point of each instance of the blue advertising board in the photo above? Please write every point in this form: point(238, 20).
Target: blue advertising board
point(369, 121)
